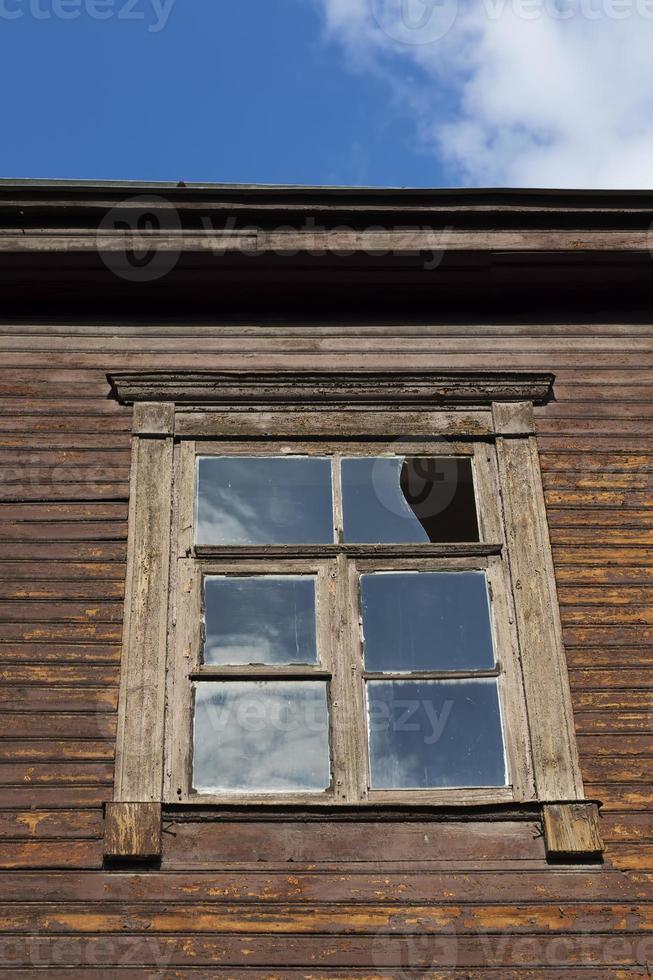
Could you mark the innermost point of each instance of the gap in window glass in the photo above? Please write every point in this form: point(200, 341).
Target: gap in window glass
point(395, 499)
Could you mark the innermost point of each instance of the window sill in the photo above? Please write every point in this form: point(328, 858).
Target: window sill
point(437, 798)
point(568, 831)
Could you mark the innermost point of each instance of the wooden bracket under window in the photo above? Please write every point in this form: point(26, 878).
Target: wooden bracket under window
point(132, 831)
point(571, 830)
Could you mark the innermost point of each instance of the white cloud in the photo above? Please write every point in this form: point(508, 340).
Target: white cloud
point(552, 93)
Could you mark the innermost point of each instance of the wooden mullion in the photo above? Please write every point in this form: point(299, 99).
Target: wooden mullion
point(185, 498)
point(350, 737)
point(326, 618)
point(453, 797)
point(171, 679)
point(431, 675)
point(488, 499)
point(259, 672)
point(471, 549)
point(514, 715)
point(230, 567)
point(338, 510)
point(186, 658)
point(422, 564)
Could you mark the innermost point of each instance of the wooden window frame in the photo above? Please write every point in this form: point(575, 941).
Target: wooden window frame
point(489, 415)
point(338, 635)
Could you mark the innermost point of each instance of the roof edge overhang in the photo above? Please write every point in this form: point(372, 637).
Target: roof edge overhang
point(219, 243)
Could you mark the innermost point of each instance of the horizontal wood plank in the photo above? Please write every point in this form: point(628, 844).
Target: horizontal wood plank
point(261, 900)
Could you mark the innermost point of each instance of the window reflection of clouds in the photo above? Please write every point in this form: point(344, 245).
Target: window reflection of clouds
point(265, 736)
point(260, 620)
point(374, 507)
point(223, 517)
point(264, 500)
point(435, 734)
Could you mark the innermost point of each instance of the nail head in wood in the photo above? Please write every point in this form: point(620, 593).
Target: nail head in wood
point(571, 830)
point(132, 831)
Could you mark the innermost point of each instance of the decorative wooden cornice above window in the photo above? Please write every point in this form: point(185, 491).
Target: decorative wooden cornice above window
point(283, 389)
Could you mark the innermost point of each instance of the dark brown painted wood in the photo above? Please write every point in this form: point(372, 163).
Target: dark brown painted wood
point(276, 898)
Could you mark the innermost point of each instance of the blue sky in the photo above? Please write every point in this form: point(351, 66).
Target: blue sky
point(226, 91)
point(379, 92)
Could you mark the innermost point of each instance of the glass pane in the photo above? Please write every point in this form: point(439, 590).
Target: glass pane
point(391, 499)
point(427, 734)
point(426, 621)
point(260, 620)
point(264, 500)
point(261, 736)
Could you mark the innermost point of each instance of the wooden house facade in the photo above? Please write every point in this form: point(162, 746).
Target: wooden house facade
point(142, 325)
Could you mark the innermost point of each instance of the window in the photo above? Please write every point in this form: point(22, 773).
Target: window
point(343, 632)
point(340, 590)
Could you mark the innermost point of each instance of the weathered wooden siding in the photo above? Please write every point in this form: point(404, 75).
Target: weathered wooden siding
point(318, 899)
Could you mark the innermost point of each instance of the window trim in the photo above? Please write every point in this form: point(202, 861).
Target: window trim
point(176, 408)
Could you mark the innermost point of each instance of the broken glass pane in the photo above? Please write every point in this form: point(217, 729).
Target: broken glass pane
point(392, 499)
point(428, 734)
point(260, 620)
point(264, 500)
point(261, 736)
point(426, 621)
